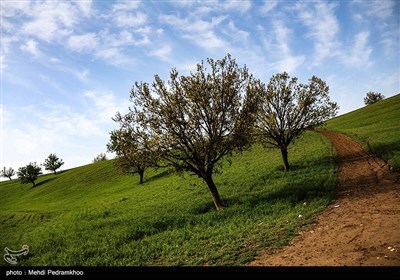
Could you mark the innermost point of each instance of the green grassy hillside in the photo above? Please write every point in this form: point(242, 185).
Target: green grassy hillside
point(376, 126)
point(92, 215)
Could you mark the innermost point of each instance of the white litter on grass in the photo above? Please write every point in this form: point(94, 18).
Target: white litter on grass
point(391, 250)
point(300, 216)
point(390, 247)
point(336, 206)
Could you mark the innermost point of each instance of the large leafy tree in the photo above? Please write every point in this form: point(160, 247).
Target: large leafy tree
point(7, 172)
point(52, 163)
point(373, 97)
point(289, 108)
point(200, 118)
point(135, 150)
point(29, 173)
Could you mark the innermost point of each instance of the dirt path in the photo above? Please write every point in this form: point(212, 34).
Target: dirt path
point(362, 228)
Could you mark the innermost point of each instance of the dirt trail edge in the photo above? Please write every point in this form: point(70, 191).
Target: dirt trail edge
point(361, 228)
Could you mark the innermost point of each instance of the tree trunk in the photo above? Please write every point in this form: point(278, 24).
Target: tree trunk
point(214, 192)
point(284, 153)
point(141, 174)
point(55, 173)
point(9, 178)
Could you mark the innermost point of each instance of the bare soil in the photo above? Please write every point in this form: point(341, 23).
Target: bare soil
point(361, 228)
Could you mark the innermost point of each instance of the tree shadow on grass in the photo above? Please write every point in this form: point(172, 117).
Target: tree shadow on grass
point(299, 187)
point(157, 176)
point(43, 182)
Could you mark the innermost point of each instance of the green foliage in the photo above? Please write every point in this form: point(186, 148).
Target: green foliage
point(134, 149)
point(7, 172)
point(197, 119)
point(52, 163)
point(288, 109)
point(92, 215)
point(29, 173)
point(100, 157)
point(373, 97)
point(375, 126)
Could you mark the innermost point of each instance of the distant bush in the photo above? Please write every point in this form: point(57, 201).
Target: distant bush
point(8, 173)
point(52, 162)
point(29, 173)
point(373, 97)
point(100, 157)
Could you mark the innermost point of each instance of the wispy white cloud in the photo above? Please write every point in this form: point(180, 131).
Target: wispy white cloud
point(287, 61)
point(16, 80)
point(46, 131)
point(6, 44)
point(125, 6)
point(82, 75)
point(32, 132)
point(381, 9)
point(125, 14)
point(3, 64)
point(30, 22)
point(130, 19)
point(323, 27)
point(390, 39)
point(31, 46)
point(107, 46)
point(236, 35)
point(115, 56)
point(51, 20)
point(268, 6)
point(51, 83)
point(357, 17)
point(84, 42)
point(163, 52)
point(123, 38)
point(382, 16)
point(204, 7)
point(359, 53)
point(85, 7)
point(240, 6)
point(11, 9)
point(104, 105)
point(198, 31)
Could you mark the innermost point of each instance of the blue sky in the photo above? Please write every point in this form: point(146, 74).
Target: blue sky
point(67, 66)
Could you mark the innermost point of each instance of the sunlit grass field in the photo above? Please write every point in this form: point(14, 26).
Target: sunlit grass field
point(93, 215)
point(376, 126)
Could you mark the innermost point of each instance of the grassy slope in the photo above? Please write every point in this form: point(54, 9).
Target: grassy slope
point(376, 126)
point(92, 215)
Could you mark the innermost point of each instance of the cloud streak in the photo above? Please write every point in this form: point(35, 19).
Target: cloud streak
point(197, 31)
point(320, 20)
point(287, 61)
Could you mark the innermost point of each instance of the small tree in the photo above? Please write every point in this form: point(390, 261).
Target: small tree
point(29, 173)
point(288, 109)
point(373, 97)
point(52, 162)
point(100, 157)
point(132, 147)
point(198, 119)
point(8, 173)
